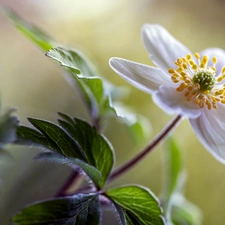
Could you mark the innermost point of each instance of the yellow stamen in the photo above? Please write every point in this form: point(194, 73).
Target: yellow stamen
point(197, 56)
point(198, 81)
point(188, 56)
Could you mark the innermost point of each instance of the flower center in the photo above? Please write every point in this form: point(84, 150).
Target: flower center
point(199, 81)
point(205, 79)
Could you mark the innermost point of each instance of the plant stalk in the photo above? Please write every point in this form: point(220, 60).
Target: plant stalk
point(153, 144)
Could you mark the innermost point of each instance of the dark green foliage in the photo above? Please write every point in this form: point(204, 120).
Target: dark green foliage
point(77, 143)
point(81, 209)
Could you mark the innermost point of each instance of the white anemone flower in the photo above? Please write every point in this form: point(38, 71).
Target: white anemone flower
point(190, 85)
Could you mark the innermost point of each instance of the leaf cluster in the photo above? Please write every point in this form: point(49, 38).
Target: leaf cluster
point(76, 143)
point(79, 144)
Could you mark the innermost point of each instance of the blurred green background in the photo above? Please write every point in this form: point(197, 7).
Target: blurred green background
point(101, 29)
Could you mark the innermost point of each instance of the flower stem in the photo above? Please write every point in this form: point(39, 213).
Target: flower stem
point(153, 144)
point(75, 175)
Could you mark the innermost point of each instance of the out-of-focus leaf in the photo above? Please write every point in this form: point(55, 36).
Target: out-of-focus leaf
point(8, 125)
point(138, 126)
point(93, 90)
point(96, 93)
point(32, 32)
point(74, 61)
point(173, 176)
point(96, 148)
point(5, 156)
point(178, 210)
point(185, 213)
point(81, 209)
point(98, 103)
point(91, 171)
point(140, 205)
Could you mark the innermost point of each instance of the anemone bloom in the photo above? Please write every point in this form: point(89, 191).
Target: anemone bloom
point(190, 85)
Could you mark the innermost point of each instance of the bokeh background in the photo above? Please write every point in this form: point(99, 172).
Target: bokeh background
point(34, 85)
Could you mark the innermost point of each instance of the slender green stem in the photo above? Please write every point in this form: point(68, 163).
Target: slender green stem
point(153, 144)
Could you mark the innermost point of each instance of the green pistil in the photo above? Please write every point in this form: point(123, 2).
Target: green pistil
point(206, 80)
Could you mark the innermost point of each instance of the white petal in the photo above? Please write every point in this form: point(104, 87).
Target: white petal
point(164, 49)
point(144, 77)
point(174, 102)
point(218, 53)
point(210, 129)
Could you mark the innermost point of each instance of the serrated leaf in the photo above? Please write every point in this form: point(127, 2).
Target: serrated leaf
point(77, 64)
point(92, 172)
point(140, 205)
point(30, 31)
point(85, 76)
point(96, 148)
point(8, 125)
point(31, 137)
point(73, 60)
point(68, 146)
point(81, 209)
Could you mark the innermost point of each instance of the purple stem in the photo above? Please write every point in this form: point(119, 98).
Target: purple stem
point(128, 165)
point(137, 158)
point(75, 175)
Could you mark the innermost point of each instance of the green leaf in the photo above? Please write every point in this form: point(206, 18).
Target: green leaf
point(138, 126)
point(80, 68)
point(73, 60)
point(29, 136)
point(67, 145)
point(85, 76)
point(92, 172)
point(140, 205)
point(184, 212)
point(74, 138)
point(81, 209)
point(96, 100)
point(96, 148)
point(121, 212)
point(8, 125)
point(31, 32)
point(174, 175)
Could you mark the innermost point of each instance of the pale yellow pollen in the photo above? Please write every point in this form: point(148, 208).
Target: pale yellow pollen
point(198, 81)
point(179, 60)
point(185, 66)
point(191, 62)
point(197, 56)
point(188, 56)
point(171, 70)
point(194, 67)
